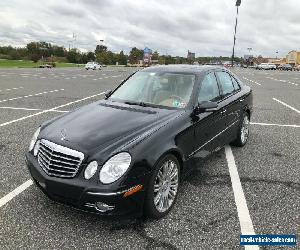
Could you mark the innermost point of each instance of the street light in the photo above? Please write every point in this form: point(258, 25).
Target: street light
point(237, 4)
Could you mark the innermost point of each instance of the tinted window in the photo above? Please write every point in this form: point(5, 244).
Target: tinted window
point(235, 83)
point(209, 90)
point(226, 83)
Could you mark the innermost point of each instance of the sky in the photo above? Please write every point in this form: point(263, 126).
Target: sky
point(205, 27)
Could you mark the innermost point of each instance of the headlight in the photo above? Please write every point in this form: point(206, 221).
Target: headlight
point(114, 168)
point(90, 170)
point(34, 138)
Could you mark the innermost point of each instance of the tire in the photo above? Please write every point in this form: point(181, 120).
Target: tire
point(163, 187)
point(243, 131)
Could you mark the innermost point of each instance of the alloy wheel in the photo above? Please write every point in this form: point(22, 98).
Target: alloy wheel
point(245, 130)
point(166, 186)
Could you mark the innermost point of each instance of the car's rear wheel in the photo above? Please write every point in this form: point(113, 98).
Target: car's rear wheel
point(163, 187)
point(243, 131)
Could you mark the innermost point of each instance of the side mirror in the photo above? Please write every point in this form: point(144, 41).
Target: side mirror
point(108, 93)
point(205, 107)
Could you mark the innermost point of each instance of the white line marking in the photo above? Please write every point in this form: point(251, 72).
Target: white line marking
point(288, 106)
point(15, 192)
point(29, 109)
point(32, 109)
point(252, 81)
point(239, 197)
point(49, 110)
point(274, 124)
point(11, 89)
point(26, 96)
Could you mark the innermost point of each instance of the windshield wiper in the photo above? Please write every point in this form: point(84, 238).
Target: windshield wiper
point(142, 104)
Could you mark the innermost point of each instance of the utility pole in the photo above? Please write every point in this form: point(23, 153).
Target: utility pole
point(237, 4)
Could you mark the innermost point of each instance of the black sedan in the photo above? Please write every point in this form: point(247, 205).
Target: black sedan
point(286, 67)
point(126, 154)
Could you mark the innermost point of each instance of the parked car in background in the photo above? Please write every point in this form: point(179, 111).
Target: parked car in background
point(92, 65)
point(48, 66)
point(127, 154)
point(266, 66)
point(296, 67)
point(272, 66)
point(286, 67)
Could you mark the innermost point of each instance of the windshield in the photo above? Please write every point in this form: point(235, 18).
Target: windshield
point(163, 89)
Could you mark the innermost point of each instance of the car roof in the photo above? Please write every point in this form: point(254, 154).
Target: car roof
point(183, 68)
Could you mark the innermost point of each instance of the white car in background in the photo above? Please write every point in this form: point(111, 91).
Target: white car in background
point(266, 66)
point(92, 65)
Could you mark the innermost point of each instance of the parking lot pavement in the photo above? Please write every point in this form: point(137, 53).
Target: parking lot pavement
point(207, 214)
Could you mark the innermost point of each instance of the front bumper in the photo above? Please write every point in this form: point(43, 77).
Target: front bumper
point(79, 193)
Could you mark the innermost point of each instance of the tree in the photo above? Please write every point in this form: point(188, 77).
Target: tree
point(90, 56)
point(74, 56)
point(100, 49)
point(155, 55)
point(122, 59)
point(135, 55)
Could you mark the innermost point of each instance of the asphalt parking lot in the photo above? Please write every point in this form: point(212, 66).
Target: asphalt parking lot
point(210, 210)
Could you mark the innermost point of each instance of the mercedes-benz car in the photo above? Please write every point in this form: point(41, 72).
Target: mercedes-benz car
point(128, 153)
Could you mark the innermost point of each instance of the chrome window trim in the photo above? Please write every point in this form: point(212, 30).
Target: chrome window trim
point(195, 151)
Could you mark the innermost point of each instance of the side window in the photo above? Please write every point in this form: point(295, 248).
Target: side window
point(235, 83)
point(209, 90)
point(226, 83)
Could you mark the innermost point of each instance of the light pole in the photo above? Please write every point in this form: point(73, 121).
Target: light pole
point(237, 4)
point(276, 53)
point(249, 49)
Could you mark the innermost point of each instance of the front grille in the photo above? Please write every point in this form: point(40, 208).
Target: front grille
point(57, 160)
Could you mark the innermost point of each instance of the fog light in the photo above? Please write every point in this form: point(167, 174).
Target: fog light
point(90, 170)
point(102, 207)
point(36, 148)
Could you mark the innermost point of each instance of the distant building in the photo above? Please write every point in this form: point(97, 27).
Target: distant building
point(190, 56)
point(277, 61)
point(293, 57)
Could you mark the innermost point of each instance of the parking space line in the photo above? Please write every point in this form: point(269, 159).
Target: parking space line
point(252, 81)
point(286, 105)
point(32, 109)
point(49, 110)
point(15, 192)
point(11, 89)
point(239, 197)
point(274, 124)
point(26, 96)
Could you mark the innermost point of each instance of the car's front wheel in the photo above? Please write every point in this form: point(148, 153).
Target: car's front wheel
point(163, 187)
point(243, 131)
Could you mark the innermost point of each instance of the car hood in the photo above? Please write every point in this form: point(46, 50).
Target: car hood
point(103, 124)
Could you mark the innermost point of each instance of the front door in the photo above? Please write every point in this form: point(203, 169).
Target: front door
point(208, 125)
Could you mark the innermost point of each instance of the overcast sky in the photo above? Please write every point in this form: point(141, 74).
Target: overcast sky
point(202, 26)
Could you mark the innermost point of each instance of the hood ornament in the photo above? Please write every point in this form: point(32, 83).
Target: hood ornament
point(63, 134)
